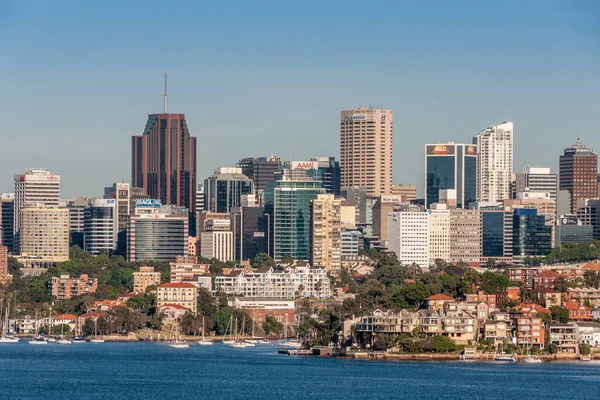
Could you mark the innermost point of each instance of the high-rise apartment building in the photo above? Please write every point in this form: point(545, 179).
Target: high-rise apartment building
point(7, 220)
point(326, 220)
point(225, 188)
point(439, 233)
point(99, 226)
point(260, 169)
point(35, 186)
point(465, 235)
point(536, 180)
point(366, 149)
point(163, 161)
point(409, 234)
point(578, 173)
point(451, 166)
point(145, 277)
point(217, 244)
point(44, 232)
point(494, 162)
point(287, 206)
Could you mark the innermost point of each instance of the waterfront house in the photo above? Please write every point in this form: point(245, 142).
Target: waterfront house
point(589, 333)
point(180, 293)
point(460, 326)
point(578, 312)
point(66, 319)
point(171, 312)
point(566, 337)
point(496, 331)
point(283, 310)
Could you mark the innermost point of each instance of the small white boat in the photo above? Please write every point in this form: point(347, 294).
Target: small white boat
point(239, 345)
point(205, 342)
point(583, 357)
point(248, 344)
point(38, 340)
point(78, 340)
point(228, 342)
point(179, 345)
point(63, 341)
point(97, 341)
point(258, 340)
point(50, 340)
point(8, 339)
point(294, 344)
point(532, 360)
point(506, 358)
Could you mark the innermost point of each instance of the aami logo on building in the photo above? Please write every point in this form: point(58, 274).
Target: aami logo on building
point(305, 165)
point(440, 149)
point(53, 178)
point(470, 150)
point(355, 117)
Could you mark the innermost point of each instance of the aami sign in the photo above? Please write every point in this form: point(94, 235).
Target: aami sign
point(305, 165)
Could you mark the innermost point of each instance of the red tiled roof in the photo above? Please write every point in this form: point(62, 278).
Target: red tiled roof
point(528, 307)
point(592, 266)
point(176, 285)
point(573, 305)
point(177, 306)
point(91, 315)
point(66, 317)
point(439, 296)
point(547, 274)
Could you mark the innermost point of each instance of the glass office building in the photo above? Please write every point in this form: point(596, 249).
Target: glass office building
point(224, 189)
point(250, 231)
point(451, 166)
point(492, 234)
point(531, 236)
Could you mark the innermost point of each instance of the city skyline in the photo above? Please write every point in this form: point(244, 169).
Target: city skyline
point(245, 88)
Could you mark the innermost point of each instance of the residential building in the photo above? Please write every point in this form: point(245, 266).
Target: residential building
point(166, 168)
point(524, 275)
point(326, 232)
point(301, 280)
point(179, 294)
point(7, 220)
point(494, 162)
point(437, 302)
point(566, 337)
point(544, 280)
point(578, 312)
point(250, 228)
point(359, 197)
point(408, 227)
point(531, 236)
point(530, 330)
point(536, 180)
point(366, 144)
point(4, 276)
point(171, 312)
point(105, 305)
point(192, 248)
point(451, 166)
point(578, 173)
point(350, 243)
point(152, 234)
point(259, 308)
point(224, 189)
point(439, 233)
point(465, 236)
point(584, 295)
point(408, 192)
point(260, 169)
point(217, 244)
point(348, 214)
point(44, 232)
point(496, 331)
point(287, 203)
point(483, 297)
point(186, 268)
point(99, 226)
point(589, 333)
point(65, 287)
point(145, 277)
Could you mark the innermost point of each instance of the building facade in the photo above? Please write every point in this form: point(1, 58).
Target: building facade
point(99, 226)
point(578, 173)
point(121, 194)
point(494, 162)
point(186, 268)
point(7, 220)
point(178, 294)
point(531, 236)
point(326, 232)
point(65, 287)
point(145, 277)
point(44, 232)
point(439, 233)
point(217, 244)
point(408, 227)
point(4, 276)
point(260, 169)
point(366, 143)
point(224, 189)
point(465, 236)
point(250, 228)
point(537, 180)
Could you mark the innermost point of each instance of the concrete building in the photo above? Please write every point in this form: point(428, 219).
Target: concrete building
point(259, 308)
point(494, 162)
point(451, 166)
point(566, 337)
point(200, 198)
point(217, 244)
point(7, 220)
point(155, 235)
point(465, 236)
point(4, 276)
point(408, 192)
point(326, 232)
point(224, 189)
point(578, 173)
point(351, 243)
point(570, 230)
point(187, 268)
point(588, 212)
point(76, 209)
point(145, 277)
point(250, 228)
point(366, 144)
point(536, 180)
point(121, 194)
point(44, 232)
point(408, 227)
point(99, 226)
point(260, 169)
point(65, 287)
point(439, 233)
point(384, 205)
point(359, 197)
point(179, 294)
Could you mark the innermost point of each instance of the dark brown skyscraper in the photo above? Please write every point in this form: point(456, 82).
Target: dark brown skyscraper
point(578, 173)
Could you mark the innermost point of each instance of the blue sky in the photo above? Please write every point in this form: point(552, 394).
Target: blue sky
point(270, 77)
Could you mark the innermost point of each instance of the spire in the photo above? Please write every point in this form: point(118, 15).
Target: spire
point(166, 97)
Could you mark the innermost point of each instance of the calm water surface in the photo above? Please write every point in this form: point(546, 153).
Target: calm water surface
point(155, 371)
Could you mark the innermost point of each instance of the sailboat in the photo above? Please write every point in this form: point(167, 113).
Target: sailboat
point(237, 343)
point(177, 344)
point(229, 326)
point(203, 341)
point(529, 359)
point(5, 338)
point(504, 357)
point(292, 343)
point(39, 339)
point(50, 339)
point(95, 339)
point(256, 339)
point(63, 339)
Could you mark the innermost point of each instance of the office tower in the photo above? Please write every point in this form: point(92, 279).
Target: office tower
point(366, 149)
point(328, 172)
point(536, 180)
point(224, 189)
point(260, 169)
point(408, 192)
point(326, 218)
point(200, 198)
point(578, 173)
point(494, 162)
point(409, 234)
point(99, 226)
point(531, 236)
point(121, 193)
point(7, 220)
point(153, 235)
point(451, 166)
point(545, 205)
point(570, 229)
point(218, 245)
point(44, 232)
point(4, 277)
point(163, 161)
point(496, 235)
point(35, 186)
point(359, 197)
point(287, 203)
point(76, 209)
point(439, 233)
point(383, 206)
point(465, 236)
point(588, 212)
point(250, 228)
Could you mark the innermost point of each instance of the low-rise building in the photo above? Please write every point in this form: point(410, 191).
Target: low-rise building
point(283, 310)
point(4, 276)
point(172, 312)
point(496, 331)
point(483, 297)
point(145, 277)
point(585, 295)
point(544, 280)
point(566, 337)
point(436, 302)
point(578, 312)
point(460, 326)
point(105, 305)
point(186, 268)
point(179, 293)
point(524, 275)
point(65, 319)
point(65, 287)
point(589, 333)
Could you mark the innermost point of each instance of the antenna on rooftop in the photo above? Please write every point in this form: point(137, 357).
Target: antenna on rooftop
point(166, 97)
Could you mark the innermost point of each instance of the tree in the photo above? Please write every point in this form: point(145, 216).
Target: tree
point(443, 344)
point(287, 259)
point(560, 314)
point(585, 349)
point(491, 262)
point(271, 326)
point(262, 260)
point(552, 348)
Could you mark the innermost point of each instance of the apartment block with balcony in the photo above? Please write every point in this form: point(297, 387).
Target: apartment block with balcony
point(65, 287)
point(566, 337)
point(145, 277)
point(326, 236)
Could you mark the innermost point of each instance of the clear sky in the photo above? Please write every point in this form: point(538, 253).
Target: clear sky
point(78, 78)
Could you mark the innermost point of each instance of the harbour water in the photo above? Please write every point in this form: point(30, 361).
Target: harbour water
point(148, 370)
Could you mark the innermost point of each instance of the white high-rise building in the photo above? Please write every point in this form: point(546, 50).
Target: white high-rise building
point(99, 226)
point(536, 180)
point(217, 244)
point(408, 234)
point(494, 162)
point(439, 233)
point(35, 186)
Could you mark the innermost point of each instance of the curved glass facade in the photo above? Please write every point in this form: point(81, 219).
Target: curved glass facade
point(161, 239)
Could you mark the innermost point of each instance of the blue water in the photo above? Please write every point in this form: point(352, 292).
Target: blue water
point(148, 370)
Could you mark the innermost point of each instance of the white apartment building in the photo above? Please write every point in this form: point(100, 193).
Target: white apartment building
point(536, 180)
point(301, 280)
point(439, 233)
point(217, 244)
point(44, 232)
point(494, 162)
point(326, 232)
point(408, 234)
